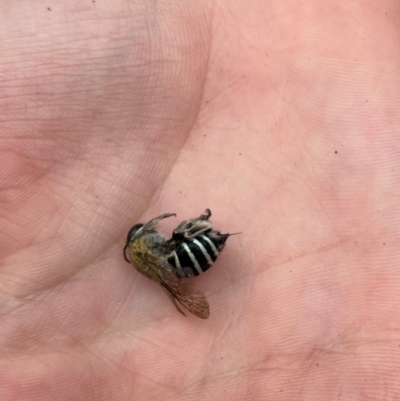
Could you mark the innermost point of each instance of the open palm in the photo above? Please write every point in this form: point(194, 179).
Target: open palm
point(283, 120)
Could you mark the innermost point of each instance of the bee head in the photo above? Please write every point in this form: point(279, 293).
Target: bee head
point(133, 231)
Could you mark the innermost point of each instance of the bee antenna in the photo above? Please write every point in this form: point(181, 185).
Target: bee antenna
point(125, 257)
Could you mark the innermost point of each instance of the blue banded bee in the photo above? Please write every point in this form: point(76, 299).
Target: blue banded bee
point(192, 249)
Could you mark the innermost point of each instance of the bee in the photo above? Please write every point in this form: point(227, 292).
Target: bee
point(192, 249)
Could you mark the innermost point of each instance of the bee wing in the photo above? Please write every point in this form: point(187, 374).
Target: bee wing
point(191, 299)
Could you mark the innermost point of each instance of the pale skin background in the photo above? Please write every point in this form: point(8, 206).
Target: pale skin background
point(113, 112)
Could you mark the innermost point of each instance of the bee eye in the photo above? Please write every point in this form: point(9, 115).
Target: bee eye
point(133, 231)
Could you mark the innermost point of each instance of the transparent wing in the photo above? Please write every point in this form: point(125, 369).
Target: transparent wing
point(191, 299)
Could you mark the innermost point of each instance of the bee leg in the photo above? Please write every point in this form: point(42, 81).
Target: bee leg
point(188, 272)
point(205, 216)
point(189, 229)
point(151, 225)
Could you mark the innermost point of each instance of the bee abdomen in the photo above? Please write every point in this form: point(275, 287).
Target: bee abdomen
point(194, 257)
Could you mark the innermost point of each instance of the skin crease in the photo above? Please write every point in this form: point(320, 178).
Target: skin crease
point(282, 117)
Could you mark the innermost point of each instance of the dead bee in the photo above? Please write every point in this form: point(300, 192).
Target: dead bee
point(192, 249)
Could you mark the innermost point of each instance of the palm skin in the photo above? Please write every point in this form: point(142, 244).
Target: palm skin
point(281, 118)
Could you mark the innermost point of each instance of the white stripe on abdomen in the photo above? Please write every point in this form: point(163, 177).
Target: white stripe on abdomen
point(192, 258)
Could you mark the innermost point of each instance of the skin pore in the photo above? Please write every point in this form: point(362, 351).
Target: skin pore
point(281, 117)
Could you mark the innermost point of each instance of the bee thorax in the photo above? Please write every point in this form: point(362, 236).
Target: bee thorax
point(154, 241)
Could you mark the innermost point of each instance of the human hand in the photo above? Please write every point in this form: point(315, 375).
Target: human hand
point(281, 118)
